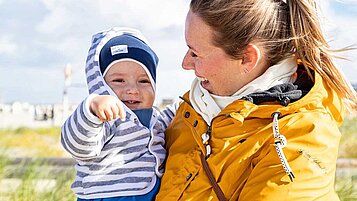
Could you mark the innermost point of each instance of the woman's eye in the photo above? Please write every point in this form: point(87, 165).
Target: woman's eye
point(193, 54)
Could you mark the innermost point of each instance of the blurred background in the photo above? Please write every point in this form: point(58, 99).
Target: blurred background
point(43, 48)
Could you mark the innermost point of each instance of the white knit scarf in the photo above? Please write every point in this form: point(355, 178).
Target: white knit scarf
point(209, 105)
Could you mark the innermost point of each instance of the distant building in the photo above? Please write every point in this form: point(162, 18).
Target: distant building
point(19, 114)
point(165, 102)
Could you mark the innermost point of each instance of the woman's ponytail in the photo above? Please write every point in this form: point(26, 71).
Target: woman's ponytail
point(312, 48)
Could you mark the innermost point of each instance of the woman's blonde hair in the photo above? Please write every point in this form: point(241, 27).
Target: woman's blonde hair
point(282, 27)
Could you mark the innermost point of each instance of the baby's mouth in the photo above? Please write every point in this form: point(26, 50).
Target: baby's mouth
point(131, 101)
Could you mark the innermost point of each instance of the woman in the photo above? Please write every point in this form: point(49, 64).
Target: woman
point(261, 119)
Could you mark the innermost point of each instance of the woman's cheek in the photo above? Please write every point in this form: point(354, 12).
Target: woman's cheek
point(200, 67)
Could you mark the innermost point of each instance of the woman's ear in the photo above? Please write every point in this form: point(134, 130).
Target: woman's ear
point(251, 57)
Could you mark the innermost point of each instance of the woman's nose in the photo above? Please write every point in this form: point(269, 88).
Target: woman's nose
point(187, 62)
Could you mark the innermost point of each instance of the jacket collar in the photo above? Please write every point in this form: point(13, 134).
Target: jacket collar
point(303, 94)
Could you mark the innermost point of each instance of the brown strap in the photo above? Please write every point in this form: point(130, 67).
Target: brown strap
point(214, 184)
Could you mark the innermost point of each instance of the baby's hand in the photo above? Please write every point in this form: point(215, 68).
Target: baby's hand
point(107, 107)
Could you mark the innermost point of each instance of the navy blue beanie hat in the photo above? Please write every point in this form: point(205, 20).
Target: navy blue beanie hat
point(128, 46)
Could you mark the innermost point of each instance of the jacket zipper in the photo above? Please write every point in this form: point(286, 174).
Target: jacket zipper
point(207, 136)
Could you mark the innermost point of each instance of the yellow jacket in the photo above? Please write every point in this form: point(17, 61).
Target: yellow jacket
point(244, 160)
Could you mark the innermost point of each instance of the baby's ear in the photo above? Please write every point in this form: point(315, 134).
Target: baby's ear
point(251, 57)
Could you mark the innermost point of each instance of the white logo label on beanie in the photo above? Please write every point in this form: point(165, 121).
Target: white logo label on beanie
point(119, 49)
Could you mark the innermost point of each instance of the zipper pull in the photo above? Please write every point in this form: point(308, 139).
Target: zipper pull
point(205, 140)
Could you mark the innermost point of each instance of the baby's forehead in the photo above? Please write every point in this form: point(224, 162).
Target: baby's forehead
point(127, 66)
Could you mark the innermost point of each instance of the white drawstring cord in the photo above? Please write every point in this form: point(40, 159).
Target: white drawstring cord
point(205, 139)
point(280, 142)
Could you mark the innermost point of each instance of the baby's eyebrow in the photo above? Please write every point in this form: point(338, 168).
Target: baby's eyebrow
point(118, 74)
point(143, 74)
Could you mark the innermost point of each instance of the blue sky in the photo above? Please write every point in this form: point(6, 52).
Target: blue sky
point(39, 38)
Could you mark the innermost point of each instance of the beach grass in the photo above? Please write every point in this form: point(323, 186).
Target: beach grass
point(348, 141)
point(31, 142)
point(35, 181)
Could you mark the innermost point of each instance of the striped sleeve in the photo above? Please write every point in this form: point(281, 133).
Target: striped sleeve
point(168, 114)
point(83, 133)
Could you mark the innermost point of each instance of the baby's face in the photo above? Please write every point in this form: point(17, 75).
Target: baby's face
point(131, 84)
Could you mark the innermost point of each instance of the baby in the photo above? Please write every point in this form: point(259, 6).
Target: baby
point(114, 134)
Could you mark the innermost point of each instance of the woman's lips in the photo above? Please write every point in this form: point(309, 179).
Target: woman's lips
point(204, 82)
point(202, 79)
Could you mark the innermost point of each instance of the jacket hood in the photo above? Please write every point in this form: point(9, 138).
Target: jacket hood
point(95, 80)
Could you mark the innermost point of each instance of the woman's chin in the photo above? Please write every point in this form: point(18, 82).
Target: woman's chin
point(206, 85)
point(209, 88)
